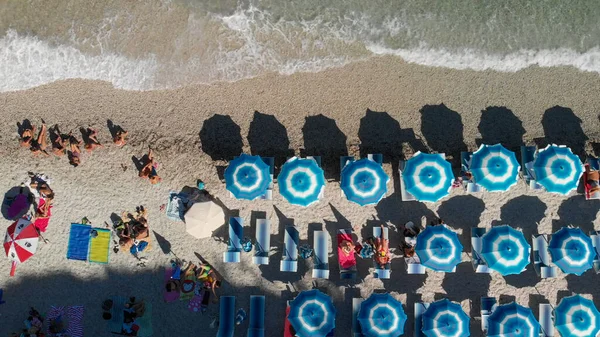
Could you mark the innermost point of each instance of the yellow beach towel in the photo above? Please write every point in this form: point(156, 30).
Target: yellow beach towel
point(100, 246)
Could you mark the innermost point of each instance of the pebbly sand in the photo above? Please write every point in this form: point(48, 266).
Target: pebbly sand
point(382, 104)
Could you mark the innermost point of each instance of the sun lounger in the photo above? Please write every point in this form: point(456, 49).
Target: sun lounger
point(382, 273)
point(488, 304)
point(321, 255)
point(376, 157)
point(356, 329)
point(263, 242)
point(290, 250)
point(420, 309)
point(595, 236)
point(344, 160)
point(317, 159)
point(347, 263)
point(100, 246)
point(79, 242)
point(527, 159)
point(236, 233)
point(414, 266)
point(256, 325)
point(226, 316)
point(403, 193)
point(542, 263)
point(589, 169)
point(288, 330)
point(478, 263)
point(465, 165)
point(546, 320)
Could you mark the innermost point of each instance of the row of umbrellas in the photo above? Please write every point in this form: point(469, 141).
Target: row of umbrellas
point(505, 249)
point(428, 177)
point(312, 314)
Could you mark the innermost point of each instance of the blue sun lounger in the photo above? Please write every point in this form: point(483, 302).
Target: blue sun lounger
point(420, 309)
point(79, 242)
point(226, 316)
point(488, 305)
point(256, 325)
point(356, 329)
point(289, 262)
point(527, 159)
point(546, 320)
point(542, 263)
point(382, 273)
point(263, 242)
point(465, 166)
point(321, 256)
point(405, 196)
point(236, 233)
point(595, 236)
point(479, 264)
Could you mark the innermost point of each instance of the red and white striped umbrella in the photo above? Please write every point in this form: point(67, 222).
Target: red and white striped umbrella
point(20, 242)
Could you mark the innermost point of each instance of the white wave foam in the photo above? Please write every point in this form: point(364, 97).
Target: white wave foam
point(27, 62)
point(512, 62)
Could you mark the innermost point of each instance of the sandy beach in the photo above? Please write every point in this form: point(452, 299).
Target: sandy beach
point(382, 105)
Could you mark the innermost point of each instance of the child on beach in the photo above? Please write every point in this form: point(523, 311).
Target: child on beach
point(149, 169)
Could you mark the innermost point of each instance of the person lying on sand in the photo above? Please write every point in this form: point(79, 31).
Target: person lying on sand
point(119, 138)
point(27, 134)
point(593, 179)
point(74, 152)
point(382, 250)
point(91, 143)
point(149, 170)
point(59, 147)
point(39, 145)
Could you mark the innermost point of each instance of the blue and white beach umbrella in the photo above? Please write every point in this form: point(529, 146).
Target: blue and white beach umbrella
point(301, 181)
point(505, 250)
point(428, 177)
point(494, 167)
point(445, 319)
point(381, 315)
point(438, 248)
point(247, 177)
point(513, 320)
point(312, 314)
point(364, 182)
point(572, 251)
point(557, 169)
point(576, 316)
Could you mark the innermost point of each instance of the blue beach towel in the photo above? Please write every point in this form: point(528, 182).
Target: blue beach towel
point(79, 242)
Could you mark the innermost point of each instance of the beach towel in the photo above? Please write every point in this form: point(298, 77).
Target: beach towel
point(42, 223)
point(188, 285)
point(346, 261)
point(79, 242)
point(169, 296)
point(72, 317)
point(115, 324)
point(145, 322)
point(100, 246)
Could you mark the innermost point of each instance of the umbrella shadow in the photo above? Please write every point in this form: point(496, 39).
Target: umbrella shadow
point(113, 128)
point(577, 211)
point(268, 137)
point(12, 196)
point(322, 137)
point(462, 212)
point(221, 138)
point(499, 125)
point(443, 129)
point(459, 288)
point(524, 212)
point(562, 127)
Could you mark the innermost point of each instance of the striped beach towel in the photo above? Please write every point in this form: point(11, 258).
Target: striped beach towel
point(72, 315)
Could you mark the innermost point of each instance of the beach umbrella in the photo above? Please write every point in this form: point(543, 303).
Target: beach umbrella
point(512, 320)
point(576, 316)
point(557, 169)
point(364, 182)
point(312, 314)
point(247, 177)
point(381, 316)
point(505, 250)
point(494, 167)
point(202, 218)
point(301, 181)
point(428, 177)
point(445, 319)
point(20, 242)
point(572, 251)
point(438, 248)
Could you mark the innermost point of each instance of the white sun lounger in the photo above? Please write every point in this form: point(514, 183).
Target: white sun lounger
point(321, 256)
point(403, 193)
point(465, 165)
point(226, 316)
point(488, 305)
point(414, 266)
point(356, 329)
point(478, 263)
point(263, 242)
point(289, 262)
point(546, 320)
point(420, 309)
point(382, 273)
point(256, 324)
point(527, 160)
point(595, 236)
point(542, 262)
point(236, 233)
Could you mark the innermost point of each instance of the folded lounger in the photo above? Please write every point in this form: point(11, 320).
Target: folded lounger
point(527, 159)
point(478, 263)
point(403, 193)
point(542, 263)
point(595, 236)
point(256, 325)
point(226, 316)
point(546, 320)
point(234, 248)
point(356, 329)
point(263, 242)
point(321, 255)
point(420, 309)
point(465, 165)
point(79, 242)
point(347, 263)
point(290, 250)
point(414, 266)
point(382, 273)
point(488, 304)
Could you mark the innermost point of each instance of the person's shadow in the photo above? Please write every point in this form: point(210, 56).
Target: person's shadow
point(322, 137)
point(113, 128)
point(442, 129)
point(268, 137)
point(25, 125)
point(499, 125)
point(221, 138)
point(563, 127)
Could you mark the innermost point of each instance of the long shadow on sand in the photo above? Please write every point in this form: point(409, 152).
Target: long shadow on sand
point(499, 125)
point(462, 212)
point(578, 212)
point(268, 137)
point(563, 127)
point(322, 137)
point(442, 128)
point(220, 138)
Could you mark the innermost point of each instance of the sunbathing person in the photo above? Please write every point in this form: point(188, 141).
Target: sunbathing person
point(149, 169)
point(382, 250)
point(593, 180)
point(347, 248)
point(39, 145)
point(119, 138)
point(91, 141)
point(74, 151)
point(59, 147)
point(27, 134)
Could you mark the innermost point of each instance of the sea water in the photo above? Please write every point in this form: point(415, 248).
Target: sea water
point(158, 44)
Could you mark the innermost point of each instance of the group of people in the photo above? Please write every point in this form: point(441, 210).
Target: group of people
point(33, 325)
point(133, 231)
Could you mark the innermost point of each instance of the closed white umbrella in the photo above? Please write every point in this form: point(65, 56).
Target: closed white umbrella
point(203, 218)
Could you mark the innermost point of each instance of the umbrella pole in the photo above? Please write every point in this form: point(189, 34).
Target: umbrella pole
point(13, 268)
point(40, 235)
